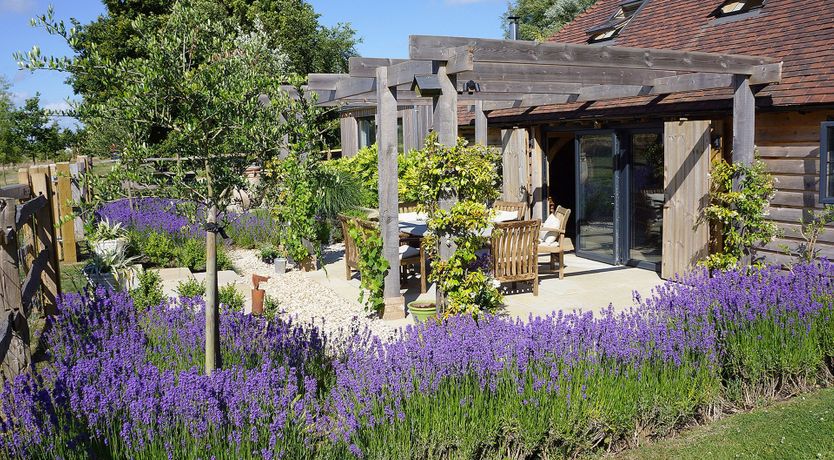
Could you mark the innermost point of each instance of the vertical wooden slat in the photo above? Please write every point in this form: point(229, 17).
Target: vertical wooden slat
point(64, 198)
point(686, 170)
point(537, 177)
point(46, 238)
point(481, 124)
point(388, 192)
point(28, 231)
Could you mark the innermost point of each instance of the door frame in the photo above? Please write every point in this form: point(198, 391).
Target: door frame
point(628, 158)
point(617, 165)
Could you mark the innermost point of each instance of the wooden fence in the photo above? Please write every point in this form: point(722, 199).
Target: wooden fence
point(29, 270)
point(68, 184)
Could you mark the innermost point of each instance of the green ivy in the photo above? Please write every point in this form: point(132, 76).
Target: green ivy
point(740, 213)
point(372, 266)
point(469, 173)
point(295, 205)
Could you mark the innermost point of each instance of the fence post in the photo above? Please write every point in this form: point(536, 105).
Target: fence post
point(14, 330)
point(27, 233)
point(64, 194)
point(46, 239)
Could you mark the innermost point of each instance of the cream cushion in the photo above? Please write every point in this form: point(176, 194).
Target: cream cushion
point(505, 216)
point(548, 236)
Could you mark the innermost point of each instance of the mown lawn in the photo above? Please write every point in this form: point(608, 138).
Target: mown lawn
point(801, 428)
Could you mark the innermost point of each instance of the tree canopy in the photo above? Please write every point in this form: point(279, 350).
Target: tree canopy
point(292, 25)
point(540, 19)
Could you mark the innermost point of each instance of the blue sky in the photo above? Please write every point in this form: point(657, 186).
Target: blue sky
point(383, 25)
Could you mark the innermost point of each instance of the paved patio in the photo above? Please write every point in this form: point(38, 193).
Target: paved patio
point(588, 285)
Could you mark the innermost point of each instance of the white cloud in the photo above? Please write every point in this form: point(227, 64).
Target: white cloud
point(17, 6)
point(58, 106)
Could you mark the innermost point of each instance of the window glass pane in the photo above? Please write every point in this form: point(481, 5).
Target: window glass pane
point(367, 131)
point(647, 197)
point(830, 172)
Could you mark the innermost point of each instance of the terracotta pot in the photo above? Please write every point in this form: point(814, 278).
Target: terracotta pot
point(258, 301)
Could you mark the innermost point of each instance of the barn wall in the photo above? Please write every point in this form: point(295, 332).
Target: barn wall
point(789, 144)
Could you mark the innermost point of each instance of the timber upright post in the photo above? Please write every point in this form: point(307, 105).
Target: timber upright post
point(445, 108)
point(744, 120)
point(481, 123)
point(388, 193)
point(744, 131)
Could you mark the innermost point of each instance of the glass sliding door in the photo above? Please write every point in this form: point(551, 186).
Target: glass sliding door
point(596, 196)
point(646, 199)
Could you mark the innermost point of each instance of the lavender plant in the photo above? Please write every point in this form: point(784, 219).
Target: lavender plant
point(123, 382)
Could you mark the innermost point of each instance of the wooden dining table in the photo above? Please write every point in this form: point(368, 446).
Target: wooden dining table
point(416, 224)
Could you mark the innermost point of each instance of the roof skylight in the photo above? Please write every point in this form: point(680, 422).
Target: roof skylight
point(617, 22)
point(733, 7)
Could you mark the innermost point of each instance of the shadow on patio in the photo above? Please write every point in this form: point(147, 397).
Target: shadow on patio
point(588, 285)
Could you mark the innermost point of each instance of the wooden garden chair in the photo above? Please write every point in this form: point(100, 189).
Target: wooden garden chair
point(519, 207)
point(552, 240)
point(515, 252)
point(412, 252)
point(351, 254)
point(407, 207)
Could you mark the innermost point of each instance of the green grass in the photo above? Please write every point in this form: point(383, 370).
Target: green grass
point(801, 428)
point(72, 277)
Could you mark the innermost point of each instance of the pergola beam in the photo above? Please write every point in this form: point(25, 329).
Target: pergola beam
point(691, 82)
point(565, 54)
point(526, 87)
point(583, 75)
point(366, 67)
point(604, 92)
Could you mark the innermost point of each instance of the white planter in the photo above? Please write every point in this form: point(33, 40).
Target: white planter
point(105, 247)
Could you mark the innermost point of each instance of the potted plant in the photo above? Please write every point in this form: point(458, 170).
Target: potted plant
point(114, 270)
point(270, 254)
point(108, 238)
point(422, 310)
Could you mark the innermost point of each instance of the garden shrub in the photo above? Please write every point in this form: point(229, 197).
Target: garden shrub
point(231, 298)
point(159, 248)
point(191, 288)
point(149, 292)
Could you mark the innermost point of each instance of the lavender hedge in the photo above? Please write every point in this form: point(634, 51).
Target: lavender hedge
point(171, 217)
point(125, 383)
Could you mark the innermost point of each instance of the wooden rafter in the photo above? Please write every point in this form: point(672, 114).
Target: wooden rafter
point(565, 54)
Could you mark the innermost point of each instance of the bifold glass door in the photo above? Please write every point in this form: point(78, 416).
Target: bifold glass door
point(596, 196)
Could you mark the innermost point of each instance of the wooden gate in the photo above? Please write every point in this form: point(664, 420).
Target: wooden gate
point(29, 271)
point(686, 166)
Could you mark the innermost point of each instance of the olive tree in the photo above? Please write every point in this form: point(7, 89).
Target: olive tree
point(200, 84)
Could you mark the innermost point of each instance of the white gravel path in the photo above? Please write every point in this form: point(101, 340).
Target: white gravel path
point(304, 300)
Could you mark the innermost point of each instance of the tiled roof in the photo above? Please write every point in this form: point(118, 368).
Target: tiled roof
point(799, 32)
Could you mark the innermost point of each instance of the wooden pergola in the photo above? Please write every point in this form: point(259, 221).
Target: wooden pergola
point(445, 72)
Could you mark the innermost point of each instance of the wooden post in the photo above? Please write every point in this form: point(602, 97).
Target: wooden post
point(212, 308)
point(46, 239)
point(27, 233)
point(744, 120)
point(65, 211)
point(481, 136)
point(388, 192)
point(14, 330)
point(537, 168)
point(445, 110)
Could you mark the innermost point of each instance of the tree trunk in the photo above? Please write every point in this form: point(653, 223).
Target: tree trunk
point(212, 307)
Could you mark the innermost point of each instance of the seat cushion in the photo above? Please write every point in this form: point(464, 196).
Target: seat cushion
point(408, 252)
point(505, 216)
point(548, 236)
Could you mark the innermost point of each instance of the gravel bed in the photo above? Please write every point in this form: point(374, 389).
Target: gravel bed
point(306, 301)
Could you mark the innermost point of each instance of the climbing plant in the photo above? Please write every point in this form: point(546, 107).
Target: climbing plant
point(740, 212)
point(470, 174)
point(372, 265)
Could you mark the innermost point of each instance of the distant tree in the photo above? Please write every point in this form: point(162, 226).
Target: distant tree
point(8, 152)
point(35, 134)
point(540, 19)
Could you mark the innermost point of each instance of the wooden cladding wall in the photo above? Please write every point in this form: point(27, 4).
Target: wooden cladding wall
point(789, 143)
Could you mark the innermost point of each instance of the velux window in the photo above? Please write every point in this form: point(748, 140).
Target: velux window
point(734, 7)
point(827, 163)
point(612, 27)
